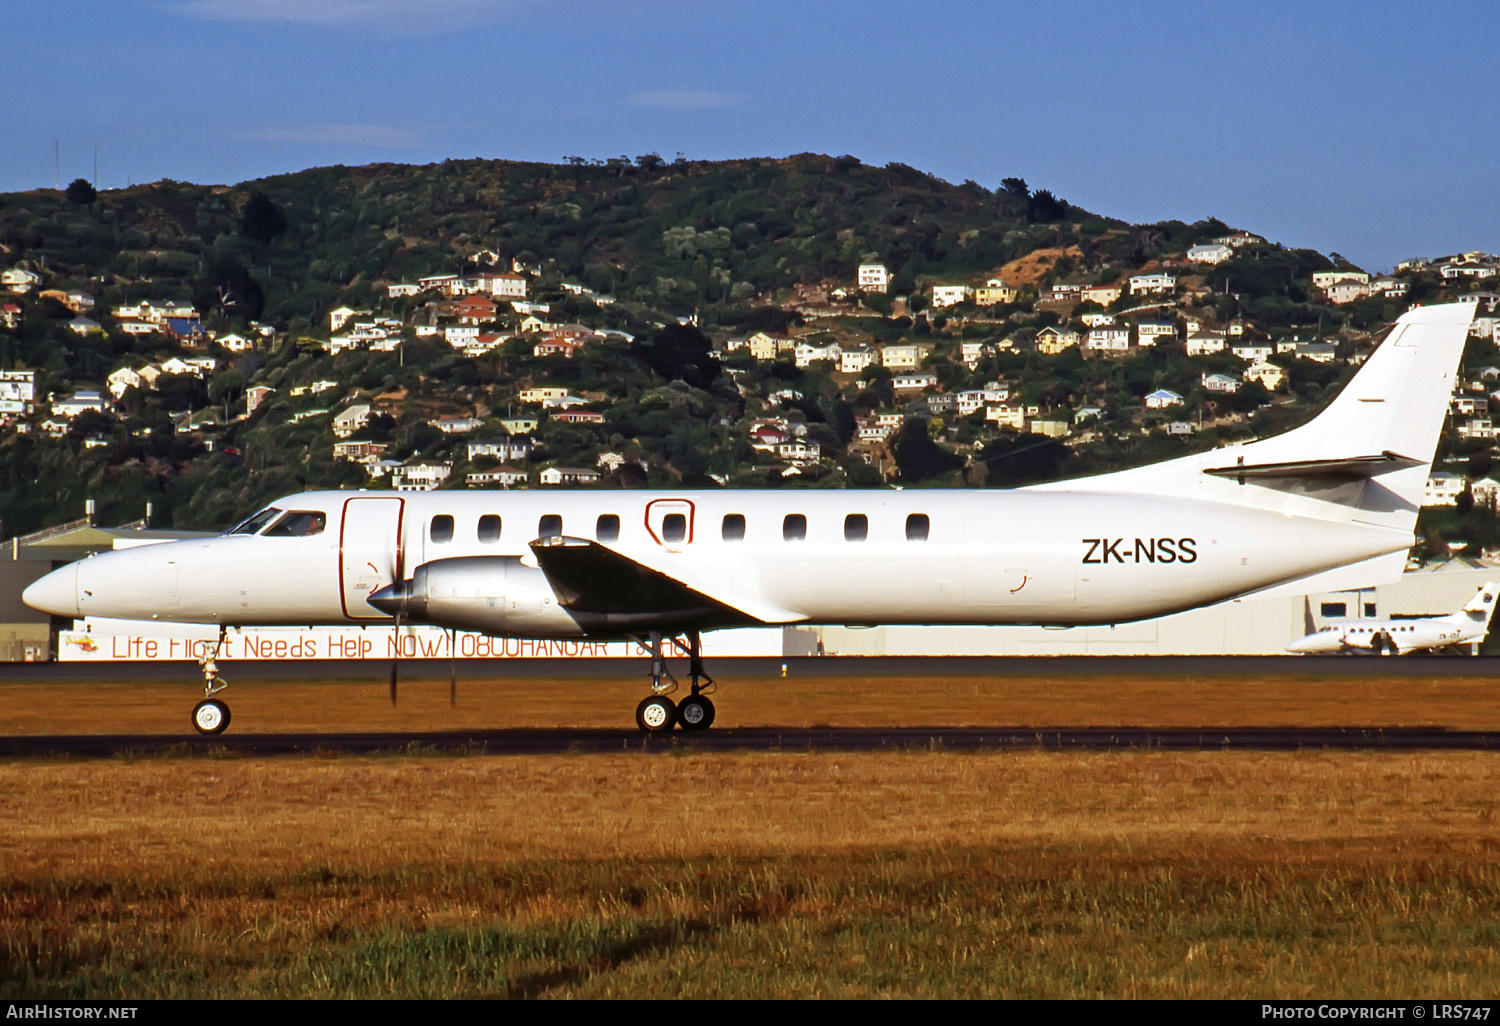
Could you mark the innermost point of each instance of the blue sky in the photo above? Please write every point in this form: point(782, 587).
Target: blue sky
point(1361, 128)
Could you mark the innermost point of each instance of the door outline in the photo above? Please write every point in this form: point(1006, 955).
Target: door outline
point(397, 565)
point(657, 511)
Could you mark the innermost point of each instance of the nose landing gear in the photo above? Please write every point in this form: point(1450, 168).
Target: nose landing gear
point(211, 716)
point(657, 713)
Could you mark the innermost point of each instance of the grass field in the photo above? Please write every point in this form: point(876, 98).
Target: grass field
point(1043, 874)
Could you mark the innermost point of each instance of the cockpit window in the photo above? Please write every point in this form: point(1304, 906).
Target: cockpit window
point(299, 523)
point(252, 524)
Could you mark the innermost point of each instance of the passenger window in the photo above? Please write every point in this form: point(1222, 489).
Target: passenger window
point(734, 527)
point(856, 527)
point(550, 526)
point(917, 527)
point(442, 528)
point(794, 527)
point(489, 528)
point(673, 527)
point(608, 527)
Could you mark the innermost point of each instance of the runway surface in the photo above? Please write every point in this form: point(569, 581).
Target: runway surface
point(908, 739)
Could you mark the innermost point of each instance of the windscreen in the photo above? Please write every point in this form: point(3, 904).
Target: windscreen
point(252, 524)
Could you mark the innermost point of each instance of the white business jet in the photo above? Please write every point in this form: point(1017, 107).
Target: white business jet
point(1413, 634)
point(1329, 505)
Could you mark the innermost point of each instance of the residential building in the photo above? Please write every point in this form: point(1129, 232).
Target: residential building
point(854, 361)
point(505, 477)
point(1221, 383)
point(568, 475)
point(17, 392)
point(1051, 341)
point(421, 476)
point(505, 449)
point(949, 295)
point(542, 394)
point(457, 425)
point(904, 356)
point(1152, 284)
point(994, 292)
point(806, 353)
point(874, 278)
point(1148, 333)
point(351, 420)
point(1268, 374)
point(1201, 343)
point(1114, 338)
point(1443, 489)
point(1104, 295)
point(1210, 253)
point(1323, 279)
point(914, 382)
point(1162, 398)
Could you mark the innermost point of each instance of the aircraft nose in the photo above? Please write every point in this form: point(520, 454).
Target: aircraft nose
point(56, 593)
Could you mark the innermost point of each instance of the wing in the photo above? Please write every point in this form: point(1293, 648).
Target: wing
point(602, 587)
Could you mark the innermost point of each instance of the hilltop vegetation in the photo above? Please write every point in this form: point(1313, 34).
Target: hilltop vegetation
point(669, 267)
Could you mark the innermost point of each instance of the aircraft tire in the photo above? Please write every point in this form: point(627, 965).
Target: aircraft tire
point(656, 715)
point(210, 716)
point(695, 713)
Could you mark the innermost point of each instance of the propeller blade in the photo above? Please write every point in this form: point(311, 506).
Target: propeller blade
point(452, 668)
point(395, 659)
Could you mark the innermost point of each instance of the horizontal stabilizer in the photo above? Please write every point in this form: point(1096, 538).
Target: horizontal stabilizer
point(1350, 467)
point(590, 578)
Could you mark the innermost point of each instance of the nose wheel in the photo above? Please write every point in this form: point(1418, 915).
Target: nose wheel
point(657, 713)
point(210, 716)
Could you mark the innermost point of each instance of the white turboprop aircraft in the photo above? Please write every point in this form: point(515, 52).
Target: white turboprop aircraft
point(1398, 637)
point(1331, 504)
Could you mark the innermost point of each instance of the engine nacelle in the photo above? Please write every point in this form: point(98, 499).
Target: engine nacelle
point(490, 594)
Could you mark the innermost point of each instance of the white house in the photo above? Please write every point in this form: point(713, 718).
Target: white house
point(1210, 253)
point(1221, 383)
point(949, 295)
point(1148, 333)
point(807, 353)
point(351, 420)
point(1152, 284)
point(853, 361)
point(505, 477)
point(874, 278)
point(421, 476)
point(1114, 338)
point(1162, 398)
point(568, 475)
point(1201, 343)
point(914, 382)
point(1442, 489)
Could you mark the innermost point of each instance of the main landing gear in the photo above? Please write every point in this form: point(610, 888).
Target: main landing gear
point(657, 713)
point(211, 716)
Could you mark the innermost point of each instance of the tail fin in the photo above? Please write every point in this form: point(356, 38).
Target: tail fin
point(1365, 458)
point(1480, 608)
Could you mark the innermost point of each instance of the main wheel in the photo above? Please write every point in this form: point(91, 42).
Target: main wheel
point(656, 715)
point(210, 716)
point(695, 713)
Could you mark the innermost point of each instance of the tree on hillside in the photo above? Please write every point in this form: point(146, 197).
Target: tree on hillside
point(80, 192)
point(1046, 208)
point(918, 457)
point(1016, 187)
point(681, 352)
point(262, 220)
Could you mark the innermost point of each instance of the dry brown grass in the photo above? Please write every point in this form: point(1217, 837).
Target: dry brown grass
point(1042, 701)
point(1046, 874)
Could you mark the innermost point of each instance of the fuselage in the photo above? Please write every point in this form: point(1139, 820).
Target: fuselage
point(831, 557)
